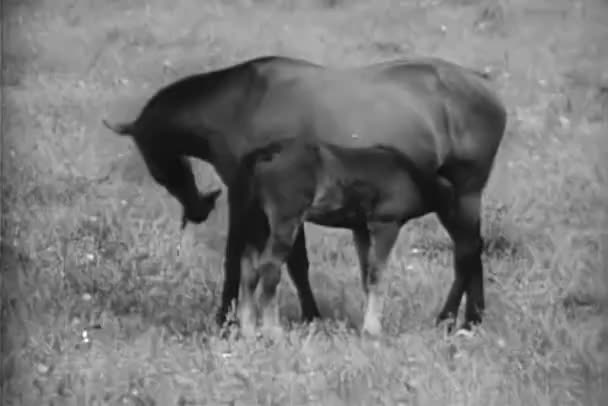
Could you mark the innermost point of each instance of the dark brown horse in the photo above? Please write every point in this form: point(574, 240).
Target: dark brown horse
point(441, 115)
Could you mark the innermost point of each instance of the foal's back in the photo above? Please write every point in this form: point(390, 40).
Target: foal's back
point(337, 186)
point(302, 161)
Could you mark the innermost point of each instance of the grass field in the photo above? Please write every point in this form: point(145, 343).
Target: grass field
point(90, 242)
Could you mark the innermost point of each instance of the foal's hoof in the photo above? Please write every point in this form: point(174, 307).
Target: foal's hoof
point(467, 329)
point(469, 324)
point(248, 333)
point(275, 333)
point(229, 329)
point(226, 325)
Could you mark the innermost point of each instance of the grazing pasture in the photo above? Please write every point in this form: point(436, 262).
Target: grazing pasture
point(106, 301)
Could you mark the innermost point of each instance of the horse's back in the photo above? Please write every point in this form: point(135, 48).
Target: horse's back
point(436, 111)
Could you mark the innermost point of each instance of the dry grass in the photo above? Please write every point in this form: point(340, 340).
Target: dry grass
point(88, 239)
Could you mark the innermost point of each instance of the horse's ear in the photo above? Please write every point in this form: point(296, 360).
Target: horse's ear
point(119, 128)
point(212, 196)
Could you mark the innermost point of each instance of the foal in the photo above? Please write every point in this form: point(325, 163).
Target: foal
point(373, 191)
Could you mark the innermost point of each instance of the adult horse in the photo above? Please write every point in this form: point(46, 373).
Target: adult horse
point(440, 114)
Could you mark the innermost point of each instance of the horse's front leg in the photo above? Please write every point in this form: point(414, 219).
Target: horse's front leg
point(232, 265)
point(298, 268)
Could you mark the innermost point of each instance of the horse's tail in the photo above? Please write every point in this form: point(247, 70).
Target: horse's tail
point(120, 128)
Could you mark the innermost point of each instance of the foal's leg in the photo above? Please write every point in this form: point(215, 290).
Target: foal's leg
point(248, 282)
point(297, 266)
point(463, 223)
point(382, 237)
point(278, 248)
point(362, 245)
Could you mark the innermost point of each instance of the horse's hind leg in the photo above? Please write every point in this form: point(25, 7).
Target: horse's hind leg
point(374, 246)
point(463, 223)
point(278, 247)
point(297, 266)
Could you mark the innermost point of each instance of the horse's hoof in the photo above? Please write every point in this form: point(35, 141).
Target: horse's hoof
point(448, 324)
point(372, 331)
point(220, 318)
point(371, 336)
point(465, 333)
point(310, 316)
point(467, 329)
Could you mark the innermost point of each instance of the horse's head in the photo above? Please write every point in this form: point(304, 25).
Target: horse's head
point(198, 211)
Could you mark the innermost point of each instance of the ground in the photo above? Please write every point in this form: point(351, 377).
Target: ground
point(106, 302)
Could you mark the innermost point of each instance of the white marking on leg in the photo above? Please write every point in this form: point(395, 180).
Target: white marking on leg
point(274, 256)
point(373, 314)
point(465, 333)
point(269, 302)
point(382, 237)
